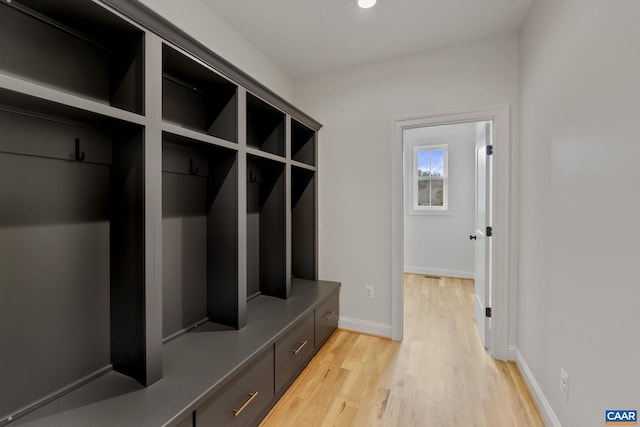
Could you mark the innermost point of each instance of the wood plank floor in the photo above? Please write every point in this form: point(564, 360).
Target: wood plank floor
point(439, 375)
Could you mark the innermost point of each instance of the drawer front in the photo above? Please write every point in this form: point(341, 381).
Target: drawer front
point(293, 351)
point(237, 404)
point(327, 319)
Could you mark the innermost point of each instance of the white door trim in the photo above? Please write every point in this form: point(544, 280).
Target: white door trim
point(501, 259)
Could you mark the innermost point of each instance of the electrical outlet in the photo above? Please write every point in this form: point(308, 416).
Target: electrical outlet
point(368, 292)
point(564, 383)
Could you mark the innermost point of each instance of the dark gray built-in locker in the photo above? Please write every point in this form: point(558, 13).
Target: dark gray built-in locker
point(158, 225)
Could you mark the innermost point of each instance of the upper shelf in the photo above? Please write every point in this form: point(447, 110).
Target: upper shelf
point(76, 47)
point(197, 98)
point(265, 126)
point(303, 143)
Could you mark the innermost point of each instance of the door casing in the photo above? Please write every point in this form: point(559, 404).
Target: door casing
point(503, 262)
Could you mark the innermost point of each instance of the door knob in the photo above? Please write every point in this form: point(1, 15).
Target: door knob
point(472, 237)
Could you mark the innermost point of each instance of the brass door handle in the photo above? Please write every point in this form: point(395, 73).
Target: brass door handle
point(252, 396)
point(329, 315)
point(302, 344)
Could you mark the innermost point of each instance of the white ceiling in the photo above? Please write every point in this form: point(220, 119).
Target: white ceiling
point(306, 37)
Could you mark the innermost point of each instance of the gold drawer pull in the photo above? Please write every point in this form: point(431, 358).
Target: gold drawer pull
point(237, 412)
point(329, 315)
point(302, 344)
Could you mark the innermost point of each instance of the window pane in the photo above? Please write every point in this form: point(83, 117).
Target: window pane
point(424, 193)
point(431, 163)
point(424, 163)
point(437, 192)
point(437, 162)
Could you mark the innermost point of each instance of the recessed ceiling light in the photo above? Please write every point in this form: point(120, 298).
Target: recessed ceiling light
point(366, 4)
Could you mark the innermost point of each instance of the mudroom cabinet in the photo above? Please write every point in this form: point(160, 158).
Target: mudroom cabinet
point(158, 225)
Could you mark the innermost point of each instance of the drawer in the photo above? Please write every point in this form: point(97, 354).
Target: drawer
point(293, 351)
point(243, 399)
point(327, 319)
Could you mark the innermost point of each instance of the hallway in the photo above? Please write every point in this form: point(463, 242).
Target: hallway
point(439, 375)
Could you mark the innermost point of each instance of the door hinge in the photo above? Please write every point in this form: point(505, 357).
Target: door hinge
point(489, 232)
point(487, 311)
point(489, 150)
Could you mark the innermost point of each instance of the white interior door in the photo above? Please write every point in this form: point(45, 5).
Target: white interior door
point(482, 240)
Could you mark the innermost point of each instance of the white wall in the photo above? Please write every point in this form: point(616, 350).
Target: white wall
point(438, 243)
point(202, 23)
point(356, 107)
point(579, 251)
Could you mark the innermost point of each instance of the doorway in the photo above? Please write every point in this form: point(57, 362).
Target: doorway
point(498, 257)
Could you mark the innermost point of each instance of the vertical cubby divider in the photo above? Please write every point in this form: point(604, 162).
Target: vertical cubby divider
point(128, 331)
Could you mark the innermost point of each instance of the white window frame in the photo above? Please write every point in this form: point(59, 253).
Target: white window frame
point(445, 180)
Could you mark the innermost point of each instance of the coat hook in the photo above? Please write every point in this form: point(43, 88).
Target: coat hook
point(253, 179)
point(192, 170)
point(79, 154)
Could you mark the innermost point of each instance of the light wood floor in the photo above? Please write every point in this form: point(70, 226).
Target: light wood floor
point(439, 375)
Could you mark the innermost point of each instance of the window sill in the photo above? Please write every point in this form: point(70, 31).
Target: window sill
point(430, 213)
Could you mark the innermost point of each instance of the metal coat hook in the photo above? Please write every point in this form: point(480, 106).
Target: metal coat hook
point(192, 170)
point(79, 154)
point(253, 179)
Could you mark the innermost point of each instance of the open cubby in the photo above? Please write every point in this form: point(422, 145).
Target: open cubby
point(303, 224)
point(200, 235)
point(265, 126)
point(303, 143)
point(265, 228)
point(197, 98)
point(77, 47)
point(72, 244)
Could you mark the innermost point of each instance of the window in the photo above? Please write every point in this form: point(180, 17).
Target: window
point(430, 189)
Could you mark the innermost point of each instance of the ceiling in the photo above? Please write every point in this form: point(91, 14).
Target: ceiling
point(307, 37)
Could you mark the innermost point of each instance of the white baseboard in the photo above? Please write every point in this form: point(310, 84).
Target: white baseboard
point(372, 328)
point(439, 272)
point(511, 352)
point(549, 416)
